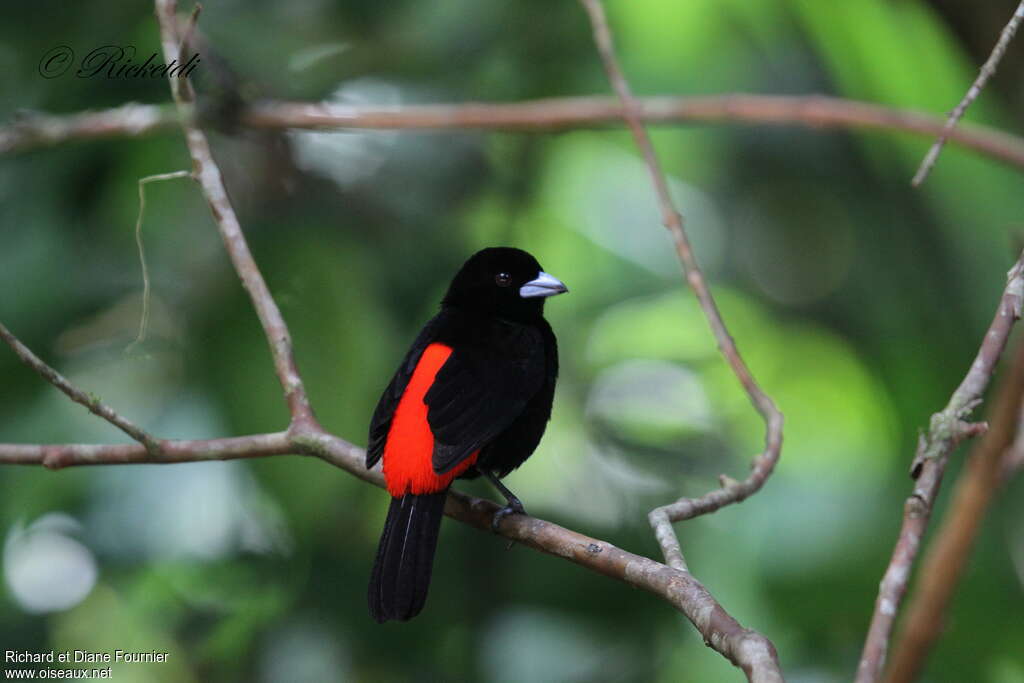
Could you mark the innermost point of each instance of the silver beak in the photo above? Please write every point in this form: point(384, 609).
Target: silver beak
point(542, 285)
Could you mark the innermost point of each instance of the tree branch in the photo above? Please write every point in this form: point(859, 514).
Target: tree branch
point(93, 403)
point(208, 175)
point(765, 666)
point(33, 129)
point(948, 555)
point(679, 588)
point(946, 430)
point(988, 70)
point(59, 456)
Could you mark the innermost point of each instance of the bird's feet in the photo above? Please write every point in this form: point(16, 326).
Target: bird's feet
point(514, 507)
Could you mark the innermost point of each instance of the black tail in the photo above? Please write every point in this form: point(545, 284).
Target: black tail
point(405, 556)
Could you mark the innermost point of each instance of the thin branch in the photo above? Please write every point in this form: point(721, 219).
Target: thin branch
point(746, 648)
point(946, 430)
point(33, 129)
point(208, 174)
point(59, 456)
point(679, 588)
point(731, 491)
point(765, 666)
point(144, 318)
point(988, 70)
point(949, 553)
point(150, 444)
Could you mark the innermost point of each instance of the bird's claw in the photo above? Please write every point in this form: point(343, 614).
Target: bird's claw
point(514, 507)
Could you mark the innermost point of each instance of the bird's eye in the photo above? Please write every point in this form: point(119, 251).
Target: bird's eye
point(503, 279)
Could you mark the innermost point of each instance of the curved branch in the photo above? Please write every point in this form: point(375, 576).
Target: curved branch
point(946, 431)
point(765, 665)
point(34, 130)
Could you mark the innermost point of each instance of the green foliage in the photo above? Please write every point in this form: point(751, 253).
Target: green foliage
point(857, 302)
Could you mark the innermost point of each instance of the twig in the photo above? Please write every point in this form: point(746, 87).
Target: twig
point(949, 552)
point(988, 69)
point(766, 666)
point(209, 177)
point(33, 130)
point(946, 430)
point(144, 318)
point(151, 444)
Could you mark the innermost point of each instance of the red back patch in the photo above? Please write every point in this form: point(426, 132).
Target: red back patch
point(410, 443)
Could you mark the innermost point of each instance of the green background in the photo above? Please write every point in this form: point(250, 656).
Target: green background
point(858, 302)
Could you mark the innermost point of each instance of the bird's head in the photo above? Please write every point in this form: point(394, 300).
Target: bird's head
point(502, 281)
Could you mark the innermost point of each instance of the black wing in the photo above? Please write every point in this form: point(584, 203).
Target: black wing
point(481, 390)
point(380, 423)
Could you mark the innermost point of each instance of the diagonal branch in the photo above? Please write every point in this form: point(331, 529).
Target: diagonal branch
point(947, 429)
point(988, 70)
point(949, 553)
point(208, 175)
point(151, 445)
point(765, 667)
point(34, 130)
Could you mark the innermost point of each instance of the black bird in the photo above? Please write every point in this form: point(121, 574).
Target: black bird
point(472, 397)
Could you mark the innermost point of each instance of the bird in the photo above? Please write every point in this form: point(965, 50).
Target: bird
point(472, 397)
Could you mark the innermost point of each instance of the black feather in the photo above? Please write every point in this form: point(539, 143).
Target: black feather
point(405, 557)
point(484, 387)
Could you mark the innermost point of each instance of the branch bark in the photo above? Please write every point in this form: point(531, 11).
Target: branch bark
point(59, 456)
point(988, 69)
point(34, 130)
point(948, 555)
point(764, 664)
point(947, 430)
